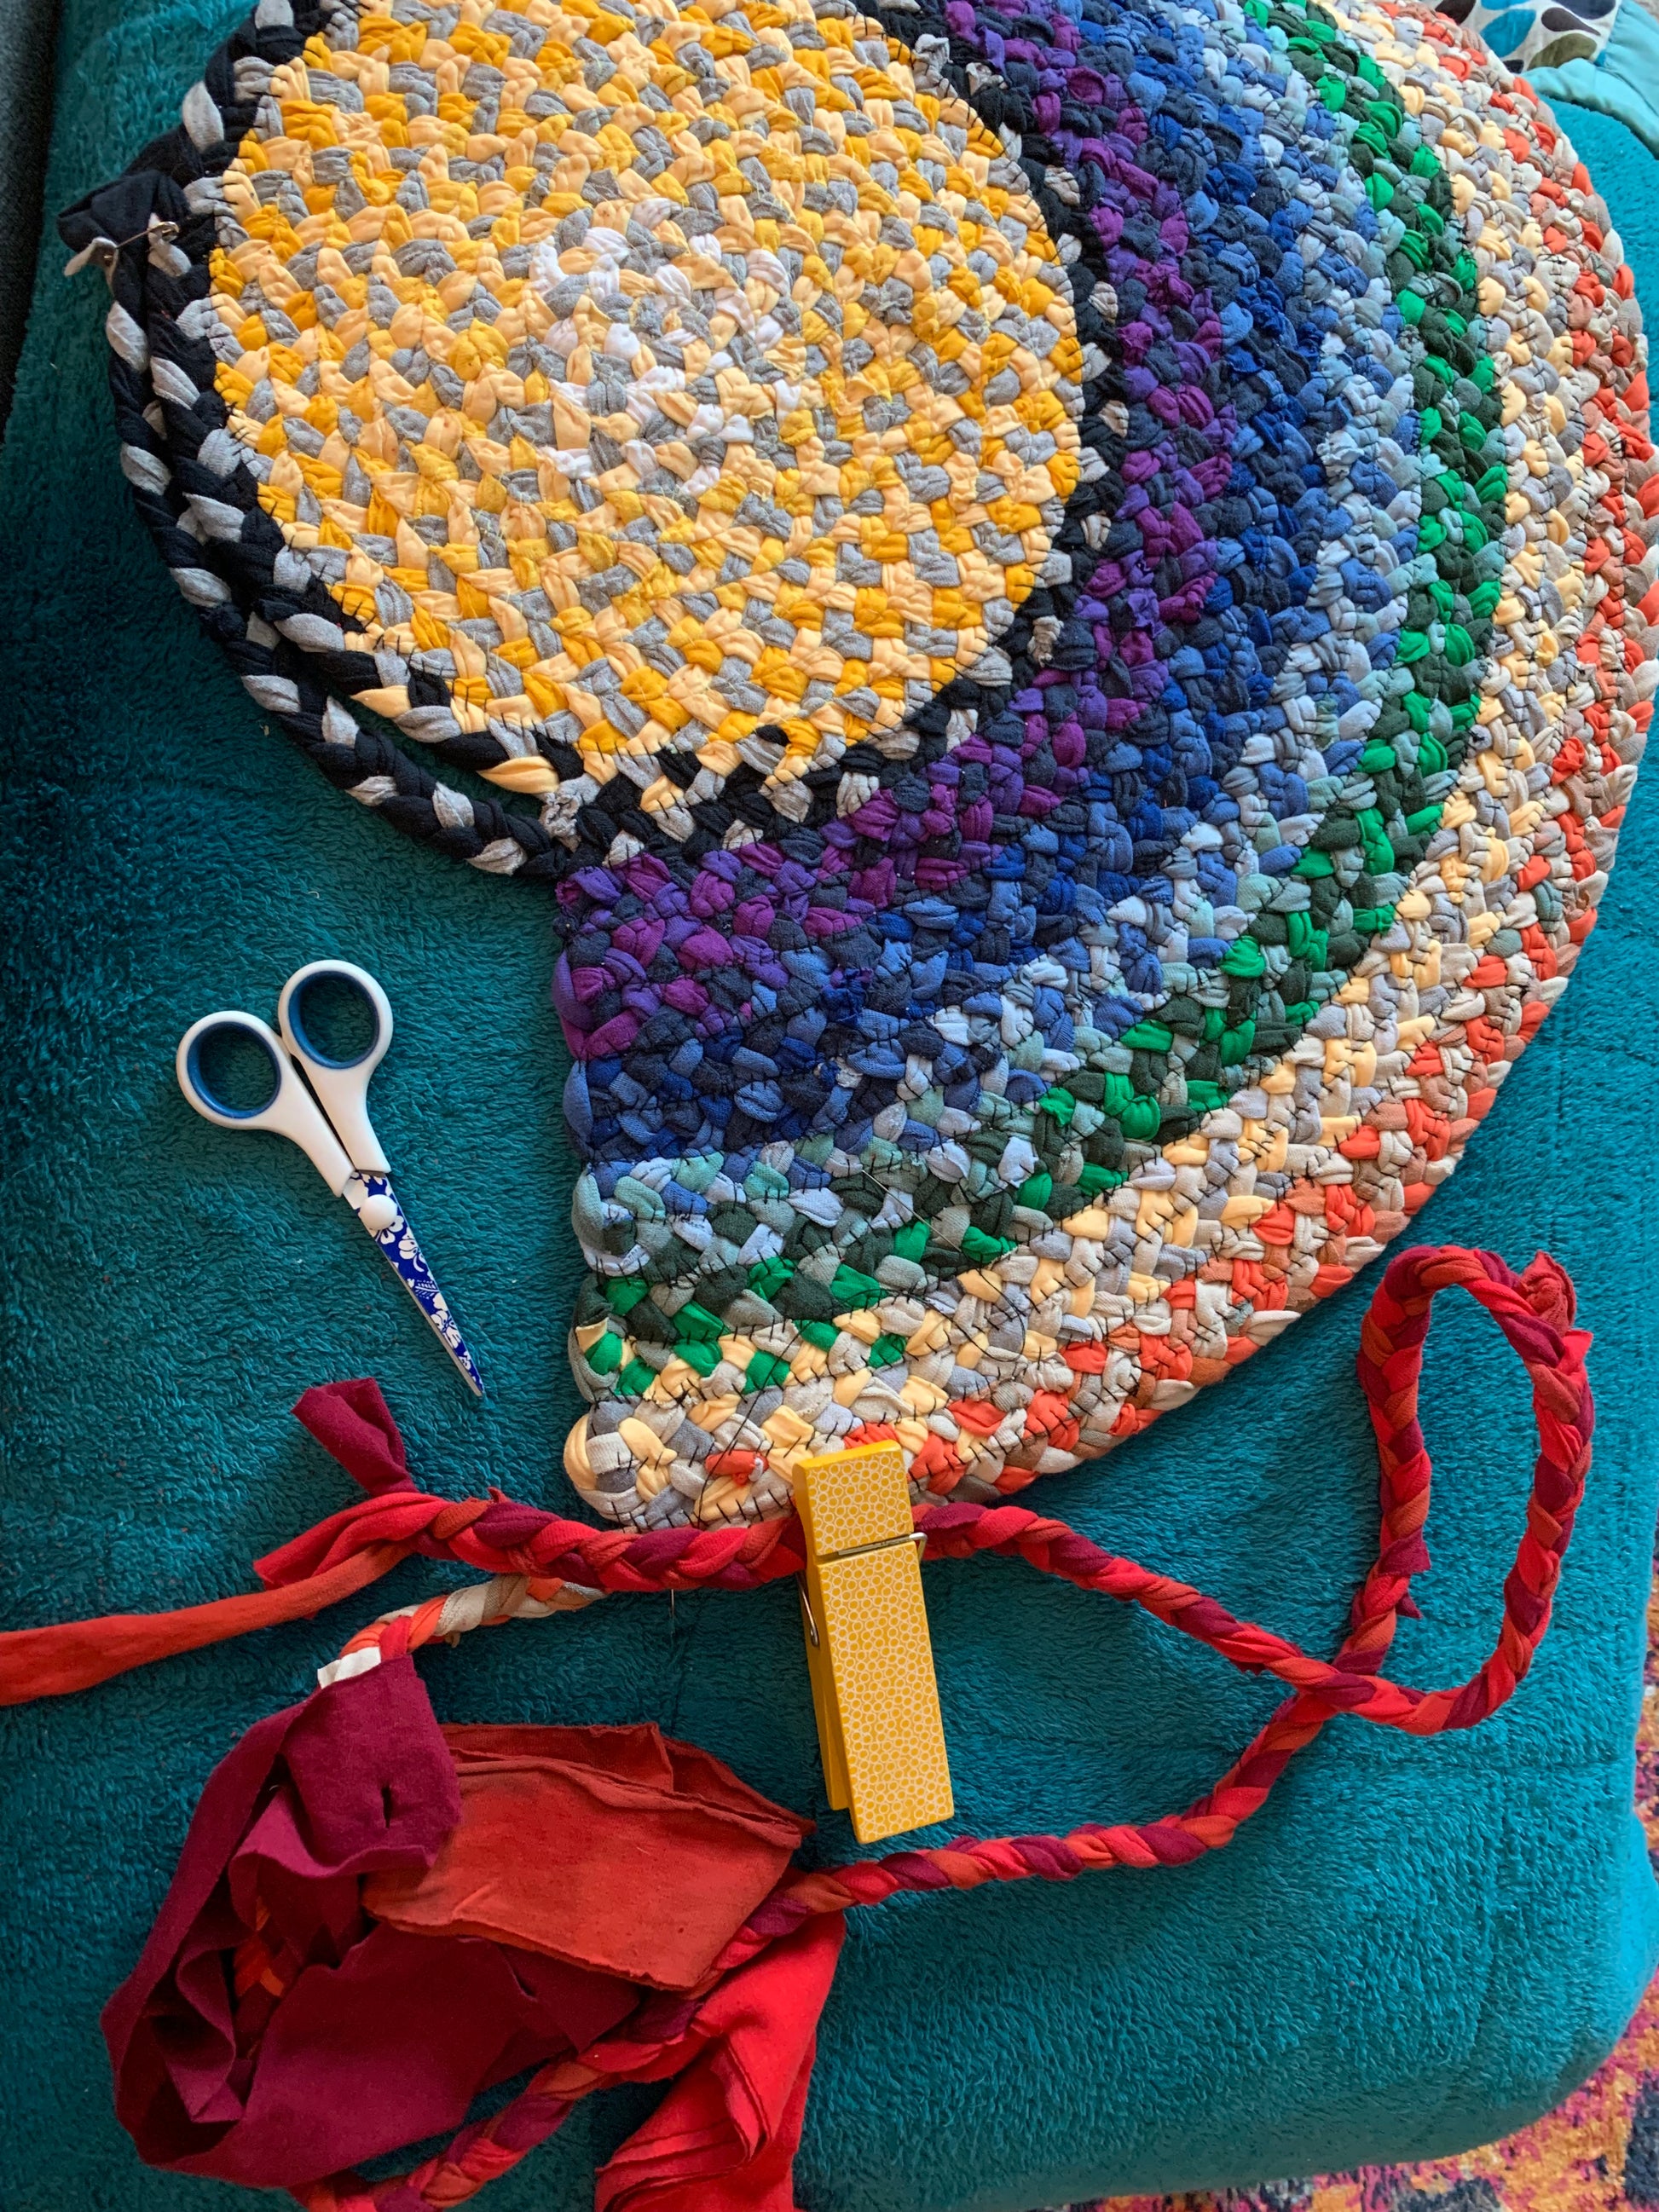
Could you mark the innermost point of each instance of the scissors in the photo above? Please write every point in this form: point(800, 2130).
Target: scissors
point(320, 1104)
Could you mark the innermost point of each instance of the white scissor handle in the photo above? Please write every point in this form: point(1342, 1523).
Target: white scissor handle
point(290, 1111)
point(341, 1084)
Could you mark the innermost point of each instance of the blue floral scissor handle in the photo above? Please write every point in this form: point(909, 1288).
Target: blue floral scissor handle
point(320, 1104)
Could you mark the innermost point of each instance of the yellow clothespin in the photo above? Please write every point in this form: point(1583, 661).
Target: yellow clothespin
point(867, 1647)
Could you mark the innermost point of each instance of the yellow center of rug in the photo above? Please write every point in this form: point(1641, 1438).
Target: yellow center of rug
point(649, 384)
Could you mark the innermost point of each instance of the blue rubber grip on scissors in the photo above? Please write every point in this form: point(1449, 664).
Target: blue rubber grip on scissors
point(341, 1086)
point(290, 1111)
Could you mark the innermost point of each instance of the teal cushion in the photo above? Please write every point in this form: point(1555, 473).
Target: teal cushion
point(1622, 82)
point(1416, 1946)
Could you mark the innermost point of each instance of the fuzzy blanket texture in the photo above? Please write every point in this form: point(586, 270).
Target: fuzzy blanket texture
point(1416, 1946)
point(1597, 2151)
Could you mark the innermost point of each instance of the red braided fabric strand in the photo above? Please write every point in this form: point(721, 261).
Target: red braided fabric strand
point(1534, 1312)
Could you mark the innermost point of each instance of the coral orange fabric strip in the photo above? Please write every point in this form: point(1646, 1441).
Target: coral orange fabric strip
point(78, 1654)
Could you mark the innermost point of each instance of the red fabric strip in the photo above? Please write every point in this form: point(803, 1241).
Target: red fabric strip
point(75, 1654)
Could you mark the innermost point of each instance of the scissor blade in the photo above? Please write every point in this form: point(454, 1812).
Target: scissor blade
point(369, 1196)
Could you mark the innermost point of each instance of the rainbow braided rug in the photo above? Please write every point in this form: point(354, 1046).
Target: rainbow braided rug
point(1064, 597)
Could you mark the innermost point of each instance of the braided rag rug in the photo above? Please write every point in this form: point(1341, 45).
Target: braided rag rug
point(1079, 703)
point(1068, 592)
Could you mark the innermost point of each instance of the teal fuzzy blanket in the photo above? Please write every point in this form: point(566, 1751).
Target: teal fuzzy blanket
point(1416, 1946)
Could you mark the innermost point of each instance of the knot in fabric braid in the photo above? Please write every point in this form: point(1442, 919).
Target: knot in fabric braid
point(449, 1523)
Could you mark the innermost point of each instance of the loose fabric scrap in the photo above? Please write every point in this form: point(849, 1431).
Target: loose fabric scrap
point(513, 1869)
point(374, 1919)
point(724, 2138)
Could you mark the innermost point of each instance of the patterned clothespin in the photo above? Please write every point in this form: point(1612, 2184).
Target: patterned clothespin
point(867, 1647)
